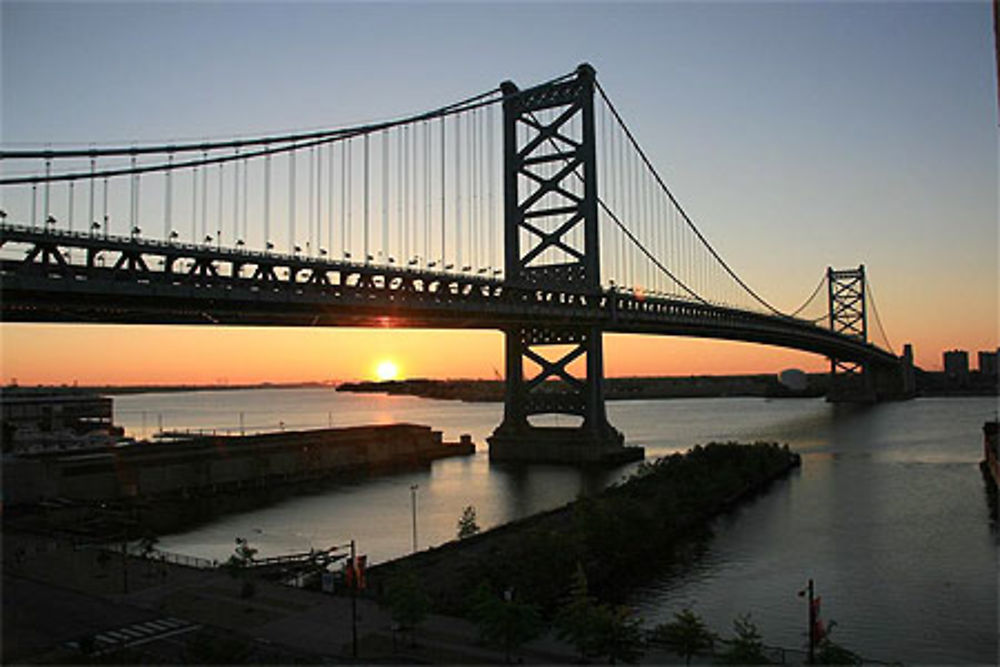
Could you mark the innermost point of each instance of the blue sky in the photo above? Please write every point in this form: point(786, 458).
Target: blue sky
point(798, 135)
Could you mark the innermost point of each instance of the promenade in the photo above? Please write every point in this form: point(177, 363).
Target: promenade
point(56, 596)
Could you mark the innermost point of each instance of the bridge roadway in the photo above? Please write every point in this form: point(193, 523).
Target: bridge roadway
point(59, 276)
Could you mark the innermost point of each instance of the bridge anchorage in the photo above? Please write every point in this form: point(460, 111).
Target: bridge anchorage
point(396, 224)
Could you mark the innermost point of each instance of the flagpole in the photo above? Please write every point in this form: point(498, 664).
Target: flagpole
point(354, 605)
point(812, 625)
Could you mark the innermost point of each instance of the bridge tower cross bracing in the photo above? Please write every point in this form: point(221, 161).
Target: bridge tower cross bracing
point(551, 245)
point(850, 381)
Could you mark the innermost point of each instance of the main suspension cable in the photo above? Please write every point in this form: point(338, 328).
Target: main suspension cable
point(680, 209)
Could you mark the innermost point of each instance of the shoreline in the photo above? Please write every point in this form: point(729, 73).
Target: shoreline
point(930, 384)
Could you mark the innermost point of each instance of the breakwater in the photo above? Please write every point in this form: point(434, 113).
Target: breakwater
point(618, 536)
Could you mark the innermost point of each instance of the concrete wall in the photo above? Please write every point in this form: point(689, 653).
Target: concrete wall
point(206, 465)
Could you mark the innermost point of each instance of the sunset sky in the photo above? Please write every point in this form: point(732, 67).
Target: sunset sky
point(798, 136)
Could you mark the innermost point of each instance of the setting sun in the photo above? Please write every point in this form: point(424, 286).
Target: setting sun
point(386, 370)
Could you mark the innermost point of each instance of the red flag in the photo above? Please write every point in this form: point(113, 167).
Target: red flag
point(362, 562)
point(349, 572)
point(818, 630)
point(354, 572)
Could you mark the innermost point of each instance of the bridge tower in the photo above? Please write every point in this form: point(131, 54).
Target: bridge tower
point(551, 247)
point(850, 381)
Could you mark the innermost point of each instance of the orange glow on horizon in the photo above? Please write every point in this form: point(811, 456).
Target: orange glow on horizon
point(170, 355)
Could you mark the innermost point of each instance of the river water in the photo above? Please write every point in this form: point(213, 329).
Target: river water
point(888, 514)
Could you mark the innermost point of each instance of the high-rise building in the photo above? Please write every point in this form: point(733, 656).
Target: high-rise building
point(988, 363)
point(956, 364)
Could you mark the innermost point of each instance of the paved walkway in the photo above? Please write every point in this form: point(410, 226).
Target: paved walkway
point(57, 598)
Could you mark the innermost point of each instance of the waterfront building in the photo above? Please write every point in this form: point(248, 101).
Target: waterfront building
point(44, 419)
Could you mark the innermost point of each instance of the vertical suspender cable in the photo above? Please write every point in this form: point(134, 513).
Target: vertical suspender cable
point(218, 222)
point(367, 255)
point(343, 199)
point(167, 195)
point(204, 198)
point(443, 196)
point(291, 199)
point(400, 227)
point(267, 198)
point(385, 197)
point(472, 131)
point(90, 206)
point(246, 194)
point(48, 173)
point(138, 185)
point(481, 170)
point(414, 194)
point(491, 178)
point(194, 205)
point(69, 204)
point(350, 188)
point(602, 179)
point(458, 192)
point(237, 228)
point(131, 198)
point(427, 191)
point(329, 202)
point(309, 199)
point(107, 219)
point(615, 177)
point(407, 221)
point(318, 217)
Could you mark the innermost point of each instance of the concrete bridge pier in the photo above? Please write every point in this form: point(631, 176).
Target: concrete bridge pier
point(873, 383)
point(554, 390)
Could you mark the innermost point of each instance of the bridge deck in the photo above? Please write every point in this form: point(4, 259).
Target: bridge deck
point(66, 277)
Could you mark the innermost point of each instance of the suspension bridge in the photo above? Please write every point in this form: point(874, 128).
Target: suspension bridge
point(534, 211)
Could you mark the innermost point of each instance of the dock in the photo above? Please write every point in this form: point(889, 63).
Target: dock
point(206, 465)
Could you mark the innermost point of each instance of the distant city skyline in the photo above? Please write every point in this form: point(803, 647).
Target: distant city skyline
point(799, 136)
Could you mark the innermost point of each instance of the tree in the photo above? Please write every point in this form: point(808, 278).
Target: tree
point(830, 653)
point(687, 634)
point(239, 565)
point(407, 601)
point(505, 622)
point(579, 621)
point(746, 648)
point(619, 635)
point(467, 526)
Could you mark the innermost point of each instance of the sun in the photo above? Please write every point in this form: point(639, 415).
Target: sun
point(386, 370)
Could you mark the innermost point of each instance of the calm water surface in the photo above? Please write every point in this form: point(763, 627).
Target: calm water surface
point(888, 513)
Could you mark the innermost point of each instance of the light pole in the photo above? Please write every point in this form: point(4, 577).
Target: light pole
point(413, 507)
point(812, 621)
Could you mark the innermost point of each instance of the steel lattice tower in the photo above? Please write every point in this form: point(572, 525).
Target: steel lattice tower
point(550, 194)
point(849, 380)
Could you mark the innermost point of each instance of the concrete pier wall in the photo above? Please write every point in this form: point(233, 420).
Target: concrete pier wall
point(210, 464)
